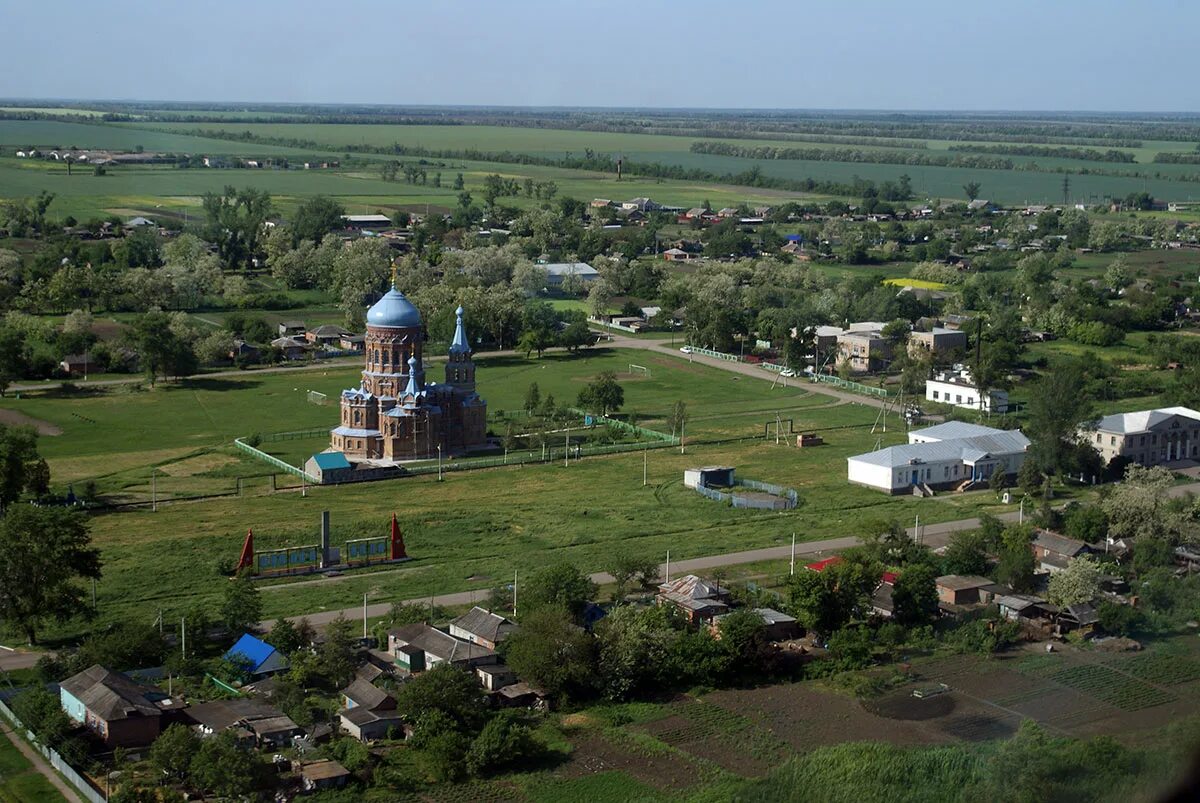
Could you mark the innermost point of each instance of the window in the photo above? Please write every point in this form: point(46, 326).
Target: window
point(970, 400)
point(1112, 440)
point(958, 398)
point(935, 395)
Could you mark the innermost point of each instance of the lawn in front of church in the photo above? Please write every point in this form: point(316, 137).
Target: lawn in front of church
point(476, 528)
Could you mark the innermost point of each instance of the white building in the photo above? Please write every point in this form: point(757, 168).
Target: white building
point(557, 271)
point(950, 455)
point(1148, 437)
point(956, 388)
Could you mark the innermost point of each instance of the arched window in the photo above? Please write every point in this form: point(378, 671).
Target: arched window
point(386, 356)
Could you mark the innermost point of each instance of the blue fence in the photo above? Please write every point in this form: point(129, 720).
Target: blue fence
point(785, 498)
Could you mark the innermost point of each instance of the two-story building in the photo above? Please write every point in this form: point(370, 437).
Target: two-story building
point(958, 389)
point(1147, 437)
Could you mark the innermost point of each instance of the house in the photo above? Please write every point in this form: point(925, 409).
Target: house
point(261, 658)
point(366, 221)
point(1054, 551)
point(698, 600)
point(938, 340)
point(600, 203)
point(981, 205)
point(274, 732)
point(1148, 437)
point(329, 467)
point(958, 389)
point(351, 342)
point(861, 345)
point(122, 712)
point(292, 329)
point(963, 589)
point(482, 627)
point(556, 272)
point(138, 222)
point(77, 365)
point(218, 716)
point(882, 604)
point(777, 626)
point(1024, 607)
point(318, 776)
point(495, 677)
point(291, 348)
point(329, 335)
point(1082, 617)
point(369, 712)
point(362, 694)
point(642, 205)
point(419, 647)
point(522, 695)
point(822, 565)
point(941, 457)
point(247, 352)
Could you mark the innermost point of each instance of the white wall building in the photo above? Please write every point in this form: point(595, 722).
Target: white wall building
point(1148, 437)
point(950, 455)
point(956, 388)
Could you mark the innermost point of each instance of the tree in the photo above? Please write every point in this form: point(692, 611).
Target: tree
point(552, 652)
point(677, 417)
point(160, 349)
point(21, 467)
point(241, 607)
point(43, 552)
point(914, 596)
point(533, 398)
point(1058, 405)
point(966, 553)
point(826, 601)
point(1017, 565)
point(503, 742)
point(602, 394)
point(627, 569)
point(559, 585)
point(315, 218)
point(223, 769)
point(234, 221)
point(1136, 507)
point(637, 650)
point(577, 335)
point(458, 182)
point(971, 188)
point(446, 690)
point(173, 751)
point(359, 272)
point(744, 639)
point(336, 653)
point(1078, 583)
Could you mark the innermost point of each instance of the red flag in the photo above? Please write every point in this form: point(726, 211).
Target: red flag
point(246, 561)
point(398, 552)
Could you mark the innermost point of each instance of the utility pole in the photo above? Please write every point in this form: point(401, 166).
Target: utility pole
point(645, 465)
point(439, 448)
point(364, 616)
point(514, 592)
point(183, 637)
point(153, 489)
point(917, 529)
point(567, 446)
point(792, 570)
point(681, 422)
point(667, 579)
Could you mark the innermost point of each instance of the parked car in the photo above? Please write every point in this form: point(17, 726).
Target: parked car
point(686, 350)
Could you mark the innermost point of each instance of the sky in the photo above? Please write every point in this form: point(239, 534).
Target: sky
point(1064, 55)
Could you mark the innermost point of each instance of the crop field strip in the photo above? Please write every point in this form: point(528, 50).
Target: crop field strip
point(1104, 682)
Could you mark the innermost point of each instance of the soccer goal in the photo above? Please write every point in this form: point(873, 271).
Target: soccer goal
point(638, 369)
point(317, 397)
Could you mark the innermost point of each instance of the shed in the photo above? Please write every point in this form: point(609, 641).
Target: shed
point(709, 477)
point(327, 774)
point(263, 659)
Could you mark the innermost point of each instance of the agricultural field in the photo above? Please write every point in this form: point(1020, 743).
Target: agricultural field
point(475, 526)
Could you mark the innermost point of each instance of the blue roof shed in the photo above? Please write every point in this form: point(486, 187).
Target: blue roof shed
point(262, 657)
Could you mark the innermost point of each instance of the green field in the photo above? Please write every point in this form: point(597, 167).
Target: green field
point(475, 527)
point(19, 781)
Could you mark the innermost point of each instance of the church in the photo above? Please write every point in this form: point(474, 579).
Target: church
point(394, 414)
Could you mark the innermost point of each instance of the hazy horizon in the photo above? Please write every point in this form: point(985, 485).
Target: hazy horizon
point(1070, 57)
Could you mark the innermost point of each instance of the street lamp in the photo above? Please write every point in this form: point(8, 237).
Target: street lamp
point(439, 448)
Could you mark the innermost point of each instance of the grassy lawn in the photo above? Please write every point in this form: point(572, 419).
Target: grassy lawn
point(476, 527)
point(19, 781)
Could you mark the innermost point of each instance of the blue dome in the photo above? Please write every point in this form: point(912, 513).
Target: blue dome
point(393, 310)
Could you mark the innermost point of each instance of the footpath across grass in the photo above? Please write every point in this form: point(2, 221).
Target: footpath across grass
point(20, 782)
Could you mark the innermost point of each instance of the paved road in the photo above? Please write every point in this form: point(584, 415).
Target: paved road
point(932, 535)
point(39, 763)
point(12, 659)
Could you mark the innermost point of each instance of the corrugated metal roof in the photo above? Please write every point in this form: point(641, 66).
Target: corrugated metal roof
point(327, 461)
point(1142, 420)
point(968, 450)
point(953, 429)
point(254, 650)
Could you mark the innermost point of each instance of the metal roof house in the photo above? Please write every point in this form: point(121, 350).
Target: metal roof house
point(557, 271)
point(328, 467)
point(482, 627)
point(950, 455)
point(262, 658)
point(122, 712)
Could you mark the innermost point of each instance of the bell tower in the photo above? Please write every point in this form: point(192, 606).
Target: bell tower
point(460, 368)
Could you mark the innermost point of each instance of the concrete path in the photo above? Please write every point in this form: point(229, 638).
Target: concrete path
point(39, 763)
point(12, 658)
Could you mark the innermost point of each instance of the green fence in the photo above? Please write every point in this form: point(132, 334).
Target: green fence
point(856, 387)
point(275, 461)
